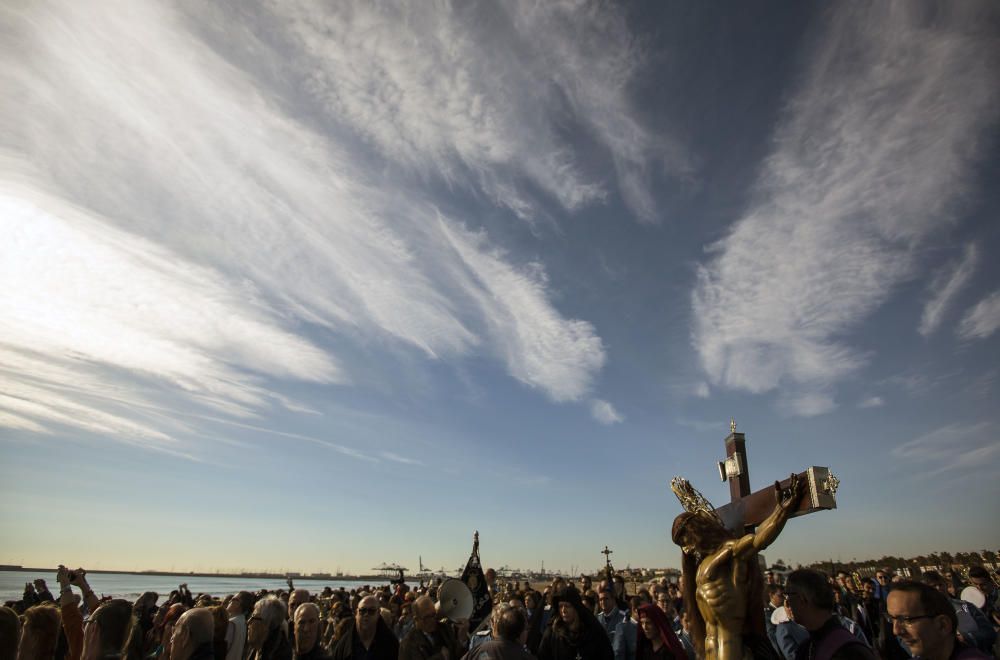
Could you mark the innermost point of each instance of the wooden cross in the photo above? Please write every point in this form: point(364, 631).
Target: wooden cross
point(748, 509)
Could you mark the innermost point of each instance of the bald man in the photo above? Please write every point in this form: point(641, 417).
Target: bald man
point(430, 638)
point(307, 645)
point(192, 638)
point(296, 598)
point(366, 637)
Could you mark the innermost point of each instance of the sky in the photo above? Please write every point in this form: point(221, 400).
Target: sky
point(310, 286)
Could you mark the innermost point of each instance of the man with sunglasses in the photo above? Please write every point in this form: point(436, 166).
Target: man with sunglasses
point(924, 619)
point(367, 637)
point(883, 580)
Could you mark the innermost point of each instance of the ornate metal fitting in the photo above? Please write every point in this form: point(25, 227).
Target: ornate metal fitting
point(831, 483)
point(691, 499)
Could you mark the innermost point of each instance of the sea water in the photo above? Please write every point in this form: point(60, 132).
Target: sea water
point(130, 586)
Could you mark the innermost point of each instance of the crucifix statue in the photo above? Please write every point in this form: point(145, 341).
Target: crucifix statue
point(609, 570)
point(722, 580)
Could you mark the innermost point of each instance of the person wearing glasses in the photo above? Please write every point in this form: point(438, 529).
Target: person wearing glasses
point(883, 581)
point(367, 637)
point(267, 631)
point(810, 603)
point(925, 620)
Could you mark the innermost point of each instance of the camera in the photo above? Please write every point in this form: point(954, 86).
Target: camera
point(72, 576)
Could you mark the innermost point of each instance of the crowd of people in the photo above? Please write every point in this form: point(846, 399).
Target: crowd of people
point(808, 616)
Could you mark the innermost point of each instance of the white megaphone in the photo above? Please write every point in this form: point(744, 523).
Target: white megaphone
point(455, 600)
point(972, 594)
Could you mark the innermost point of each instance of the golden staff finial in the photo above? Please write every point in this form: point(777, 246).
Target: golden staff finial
point(732, 425)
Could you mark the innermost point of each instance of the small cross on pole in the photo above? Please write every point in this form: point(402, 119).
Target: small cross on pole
point(607, 560)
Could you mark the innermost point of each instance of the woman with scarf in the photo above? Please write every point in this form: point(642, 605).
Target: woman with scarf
point(575, 633)
point(656, 637)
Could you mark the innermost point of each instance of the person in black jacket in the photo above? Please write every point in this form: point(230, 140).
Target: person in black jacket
point(366, 637)
point(534, 605)
point(430, 637)
point(575, 633)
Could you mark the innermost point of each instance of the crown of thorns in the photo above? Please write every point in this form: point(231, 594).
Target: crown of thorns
point(692, 500)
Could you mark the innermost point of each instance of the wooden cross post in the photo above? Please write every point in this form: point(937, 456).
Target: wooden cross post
point(748, 509)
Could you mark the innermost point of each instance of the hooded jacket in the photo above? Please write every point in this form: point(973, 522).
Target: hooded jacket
point(644, 647)
point(588, 642)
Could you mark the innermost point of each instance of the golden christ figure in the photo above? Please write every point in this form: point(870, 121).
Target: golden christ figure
point(723, 586)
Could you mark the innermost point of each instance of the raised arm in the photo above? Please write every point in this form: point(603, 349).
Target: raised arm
point(768, 530)
point(79, 579)
point(72, 620)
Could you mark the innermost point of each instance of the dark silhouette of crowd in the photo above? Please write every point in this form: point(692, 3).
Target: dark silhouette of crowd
point(809, 616)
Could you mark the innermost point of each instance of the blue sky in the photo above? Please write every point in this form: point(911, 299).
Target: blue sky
point(303, 286)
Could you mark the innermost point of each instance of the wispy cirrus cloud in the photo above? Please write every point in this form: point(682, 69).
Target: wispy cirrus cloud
point(982, 319)
point(477, 94)
point(539, 347)
point(854, 183)
point(945, 286)
point(396, 458)
point(604, 412)
point(185, 224)
point(951, 447)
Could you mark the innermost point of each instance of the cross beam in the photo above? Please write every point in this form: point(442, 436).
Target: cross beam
point(748, 509)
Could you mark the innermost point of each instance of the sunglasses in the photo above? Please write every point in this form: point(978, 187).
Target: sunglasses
point(367, 611)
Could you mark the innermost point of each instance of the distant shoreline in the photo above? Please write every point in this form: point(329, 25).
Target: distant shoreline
point(258, 576)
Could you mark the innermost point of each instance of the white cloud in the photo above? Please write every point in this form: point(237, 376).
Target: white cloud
point(807, 404)
point(477, 94)
point(952, 447)
point(872, 402)
point(604, 412)
point(703, 426)
point(396, 458)
point(945, 285)
point(541, 348)
point(702, 390)
point(182, 226)
point(982, 319)
point(11, 421)
point(856, 180)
